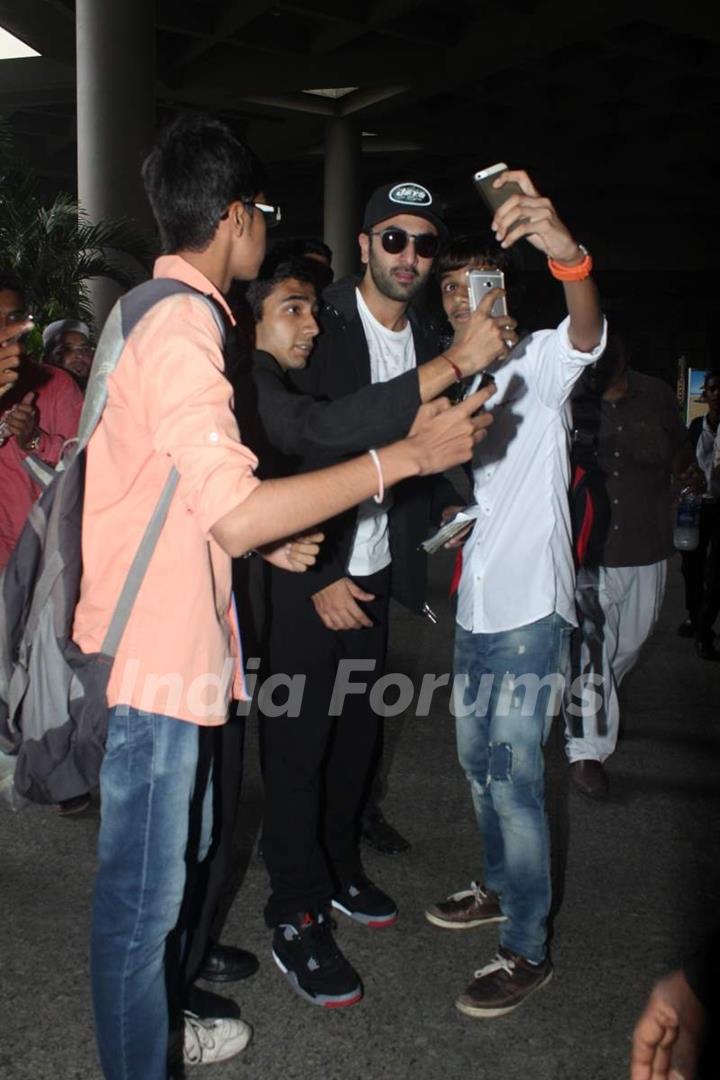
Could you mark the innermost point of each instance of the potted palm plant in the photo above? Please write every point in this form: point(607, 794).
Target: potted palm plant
point(55, 250)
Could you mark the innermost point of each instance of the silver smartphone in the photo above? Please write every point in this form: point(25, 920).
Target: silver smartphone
point(479, 284)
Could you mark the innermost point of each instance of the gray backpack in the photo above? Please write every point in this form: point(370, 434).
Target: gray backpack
point(53, 707)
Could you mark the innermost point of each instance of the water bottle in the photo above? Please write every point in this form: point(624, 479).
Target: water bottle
point(686, 535)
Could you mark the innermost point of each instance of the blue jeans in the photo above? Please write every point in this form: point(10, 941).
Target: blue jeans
point(146, 784)
point(503, 716)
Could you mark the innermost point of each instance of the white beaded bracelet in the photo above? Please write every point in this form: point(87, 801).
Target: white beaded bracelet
point(381, 482)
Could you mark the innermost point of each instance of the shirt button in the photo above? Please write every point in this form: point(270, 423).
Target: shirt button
point(616, 473)
point(619, 427)
point(615, 528)
point(615, 501)
point(486, 509)
point(617, 453)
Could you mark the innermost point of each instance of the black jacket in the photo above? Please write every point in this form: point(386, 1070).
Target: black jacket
point(331, 411)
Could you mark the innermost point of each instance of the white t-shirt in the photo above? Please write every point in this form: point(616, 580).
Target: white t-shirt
point(392, 352)
point(518, 561)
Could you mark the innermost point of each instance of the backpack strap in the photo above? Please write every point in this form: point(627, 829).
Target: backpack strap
point(39, 470)
point(139, 566)
point(120, 323)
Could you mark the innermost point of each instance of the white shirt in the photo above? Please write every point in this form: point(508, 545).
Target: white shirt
point(518, 562)
point(392, 352)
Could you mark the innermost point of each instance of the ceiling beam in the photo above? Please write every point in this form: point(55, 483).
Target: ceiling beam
point(232, 16)
point(245, 69)
point(338, 30)
point(304, 103)
point(366, 97)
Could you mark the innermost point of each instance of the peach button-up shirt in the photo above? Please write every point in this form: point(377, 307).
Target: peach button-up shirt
point(169, 403)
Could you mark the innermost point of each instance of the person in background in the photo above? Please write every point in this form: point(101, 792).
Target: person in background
point(638, 442)
point(39, 412)
point(702, 566)
point(66, 344)
point(310, 248)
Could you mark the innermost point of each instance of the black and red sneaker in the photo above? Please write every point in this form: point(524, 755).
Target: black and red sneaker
point(365, 903)
point(305, 951)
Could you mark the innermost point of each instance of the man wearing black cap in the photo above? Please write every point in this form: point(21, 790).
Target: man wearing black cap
point(398, 249)
point(330, 629)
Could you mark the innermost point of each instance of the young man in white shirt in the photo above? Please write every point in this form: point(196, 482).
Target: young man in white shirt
point(516, 605)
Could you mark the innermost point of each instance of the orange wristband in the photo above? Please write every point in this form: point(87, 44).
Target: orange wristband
point(453, 365)
point(578, 272)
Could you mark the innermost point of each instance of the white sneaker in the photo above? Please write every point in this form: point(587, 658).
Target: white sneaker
point(210, 1040)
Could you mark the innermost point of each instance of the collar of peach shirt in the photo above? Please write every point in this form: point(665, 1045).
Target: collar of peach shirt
point(174, 266)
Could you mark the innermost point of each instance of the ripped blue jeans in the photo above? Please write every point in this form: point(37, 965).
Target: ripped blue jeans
point(508, 687)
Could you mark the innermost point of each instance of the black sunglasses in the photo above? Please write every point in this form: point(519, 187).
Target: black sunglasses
point(396, 240)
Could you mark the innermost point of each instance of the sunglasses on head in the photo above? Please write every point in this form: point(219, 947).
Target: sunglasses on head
point(396, 240)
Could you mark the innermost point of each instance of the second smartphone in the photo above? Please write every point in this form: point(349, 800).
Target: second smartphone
point(479, 284)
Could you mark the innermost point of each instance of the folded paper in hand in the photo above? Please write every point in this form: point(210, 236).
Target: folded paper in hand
point(451, 528)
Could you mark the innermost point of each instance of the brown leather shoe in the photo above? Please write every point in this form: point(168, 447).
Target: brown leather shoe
point(590, 778)
point(475, 906)
point(502, 985)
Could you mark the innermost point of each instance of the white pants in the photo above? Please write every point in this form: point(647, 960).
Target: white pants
point(617, 608)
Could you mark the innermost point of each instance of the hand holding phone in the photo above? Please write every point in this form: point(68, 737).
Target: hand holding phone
point(532, 217)
point(494, 197)
point(480, 282)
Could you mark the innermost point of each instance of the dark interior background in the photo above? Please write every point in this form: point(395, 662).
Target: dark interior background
point(612, 107)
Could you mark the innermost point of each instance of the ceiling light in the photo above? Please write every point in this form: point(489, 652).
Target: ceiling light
point(337, 92)
point(12, 48)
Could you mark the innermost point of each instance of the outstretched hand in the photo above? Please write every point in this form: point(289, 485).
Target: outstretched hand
point(444, 435)
point(296, 554)
point(667, 1038)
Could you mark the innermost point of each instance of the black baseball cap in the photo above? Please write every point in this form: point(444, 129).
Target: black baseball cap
point(403, 198)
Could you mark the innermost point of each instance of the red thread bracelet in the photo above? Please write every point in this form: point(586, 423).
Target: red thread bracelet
point(458, 373)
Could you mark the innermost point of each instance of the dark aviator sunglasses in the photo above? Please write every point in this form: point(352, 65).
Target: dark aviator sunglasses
point(396, 240)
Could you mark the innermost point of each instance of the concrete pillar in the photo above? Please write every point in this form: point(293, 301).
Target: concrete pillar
point(115, 115)
point(342, 182)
